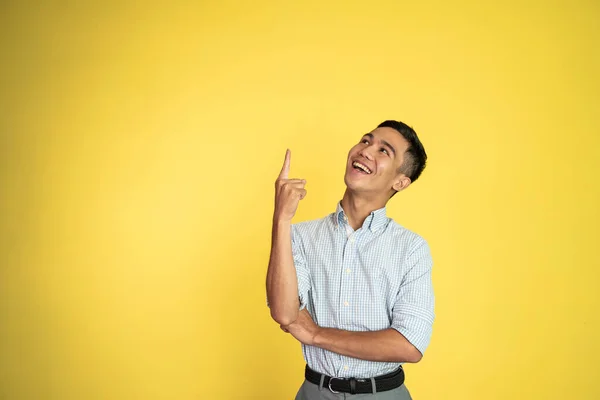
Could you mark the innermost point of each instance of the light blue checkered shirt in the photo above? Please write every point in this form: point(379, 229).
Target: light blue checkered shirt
point(374, 278)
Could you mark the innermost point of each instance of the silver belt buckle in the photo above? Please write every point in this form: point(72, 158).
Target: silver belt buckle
point(329, 384)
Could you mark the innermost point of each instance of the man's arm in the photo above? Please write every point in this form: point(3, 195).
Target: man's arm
point(384, 345)
point(282, 282)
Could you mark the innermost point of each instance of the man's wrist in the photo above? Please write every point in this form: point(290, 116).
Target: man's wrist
point(281, 222)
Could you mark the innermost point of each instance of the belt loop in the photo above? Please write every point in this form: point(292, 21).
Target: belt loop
point(352, 386)
point(321, 383)
point(373, 386)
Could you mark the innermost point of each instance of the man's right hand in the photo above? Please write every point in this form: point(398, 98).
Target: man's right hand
point(288, 193)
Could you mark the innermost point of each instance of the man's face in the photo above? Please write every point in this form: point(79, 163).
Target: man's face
point(373, 163)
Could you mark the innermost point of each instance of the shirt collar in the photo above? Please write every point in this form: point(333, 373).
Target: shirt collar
point(376, 220)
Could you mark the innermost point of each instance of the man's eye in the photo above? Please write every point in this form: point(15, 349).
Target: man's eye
point(365, 141)
point(384, 151)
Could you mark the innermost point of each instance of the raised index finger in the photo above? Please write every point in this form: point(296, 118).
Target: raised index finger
point(285, 170)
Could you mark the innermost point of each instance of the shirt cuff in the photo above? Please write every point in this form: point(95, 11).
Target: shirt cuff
point(416, 330)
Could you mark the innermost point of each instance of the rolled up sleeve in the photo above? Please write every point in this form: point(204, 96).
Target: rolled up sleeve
point(413, 310)
point(302, 272)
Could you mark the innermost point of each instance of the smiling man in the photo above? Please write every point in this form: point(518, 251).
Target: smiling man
point(354, 287)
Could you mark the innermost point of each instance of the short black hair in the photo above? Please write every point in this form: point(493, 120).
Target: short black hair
point(415, 157)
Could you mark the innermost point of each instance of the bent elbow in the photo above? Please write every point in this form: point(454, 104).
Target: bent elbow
point(418, 357)
point(283, 318)
point(414, 356)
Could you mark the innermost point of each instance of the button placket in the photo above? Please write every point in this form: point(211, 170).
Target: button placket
point(346, 278)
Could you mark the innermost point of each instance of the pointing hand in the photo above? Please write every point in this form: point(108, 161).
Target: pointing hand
point(288, 192)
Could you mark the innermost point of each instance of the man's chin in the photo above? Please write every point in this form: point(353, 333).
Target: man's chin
point(355, 185)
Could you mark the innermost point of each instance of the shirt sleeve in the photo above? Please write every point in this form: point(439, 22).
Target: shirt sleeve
point(413, 310)
point(302, 272)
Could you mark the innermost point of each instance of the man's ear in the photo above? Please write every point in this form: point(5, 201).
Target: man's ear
point(401, 183)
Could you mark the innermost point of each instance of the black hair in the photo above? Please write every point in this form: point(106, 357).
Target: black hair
point(415, 157)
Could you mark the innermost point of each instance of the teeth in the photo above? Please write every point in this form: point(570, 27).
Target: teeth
point(361, 166)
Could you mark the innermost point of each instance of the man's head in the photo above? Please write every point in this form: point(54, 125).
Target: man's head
point(386, 160)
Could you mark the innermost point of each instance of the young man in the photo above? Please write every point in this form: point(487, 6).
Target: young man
point(354, 287)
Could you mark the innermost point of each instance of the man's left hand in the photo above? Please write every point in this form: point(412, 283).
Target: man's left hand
point(303, 328)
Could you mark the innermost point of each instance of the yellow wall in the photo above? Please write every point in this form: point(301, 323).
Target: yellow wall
point(139, 147)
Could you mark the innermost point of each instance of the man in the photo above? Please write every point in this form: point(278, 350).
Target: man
point(354, 287)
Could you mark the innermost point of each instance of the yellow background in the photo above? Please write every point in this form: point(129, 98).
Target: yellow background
point(139, 147)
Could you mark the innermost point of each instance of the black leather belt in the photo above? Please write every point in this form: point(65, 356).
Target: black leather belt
point(357, 385)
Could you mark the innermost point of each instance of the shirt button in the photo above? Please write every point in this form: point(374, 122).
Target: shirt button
point(345, 367)
point(347, 270)
point(346, 303)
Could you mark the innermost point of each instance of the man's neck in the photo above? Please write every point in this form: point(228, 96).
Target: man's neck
point(357, 208)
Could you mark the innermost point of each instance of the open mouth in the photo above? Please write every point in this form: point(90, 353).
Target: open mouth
point(361, 168)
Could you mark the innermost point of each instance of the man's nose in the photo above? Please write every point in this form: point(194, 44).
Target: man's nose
point(366, 153)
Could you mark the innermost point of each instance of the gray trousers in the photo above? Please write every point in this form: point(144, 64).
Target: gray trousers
point(310, 391)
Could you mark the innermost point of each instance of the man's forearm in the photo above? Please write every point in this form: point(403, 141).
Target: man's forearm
point(282, 282)
point(386, 345)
